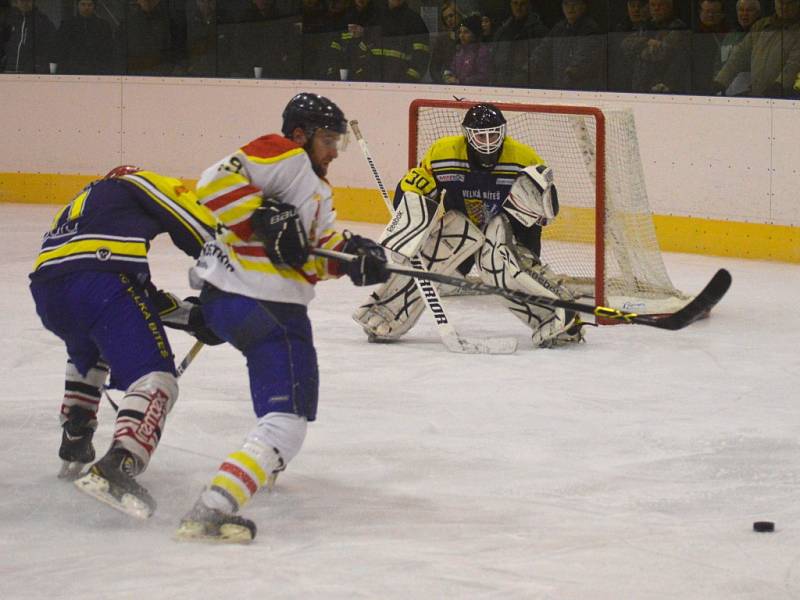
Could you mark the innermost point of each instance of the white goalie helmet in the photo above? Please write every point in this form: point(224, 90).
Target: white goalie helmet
point(485, 130)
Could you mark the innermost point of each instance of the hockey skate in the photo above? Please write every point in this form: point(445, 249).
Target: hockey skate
point(204, 524)
point(76, 449)
point(111, 480)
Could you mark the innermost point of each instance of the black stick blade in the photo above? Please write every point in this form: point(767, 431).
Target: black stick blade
point(697, 308)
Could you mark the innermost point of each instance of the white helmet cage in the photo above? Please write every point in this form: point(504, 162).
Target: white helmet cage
point(486, 141)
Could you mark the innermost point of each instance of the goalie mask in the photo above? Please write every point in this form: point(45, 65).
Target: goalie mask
point(485, 130)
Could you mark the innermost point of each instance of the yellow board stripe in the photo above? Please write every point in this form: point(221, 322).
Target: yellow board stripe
point(251, 463)
point(675, 233)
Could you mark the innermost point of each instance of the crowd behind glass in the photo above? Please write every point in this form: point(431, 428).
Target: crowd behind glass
point(706, 47)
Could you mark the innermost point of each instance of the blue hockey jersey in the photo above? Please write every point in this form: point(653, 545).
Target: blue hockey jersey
point(109, 224)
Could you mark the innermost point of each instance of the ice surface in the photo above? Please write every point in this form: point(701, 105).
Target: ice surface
point(631, 467)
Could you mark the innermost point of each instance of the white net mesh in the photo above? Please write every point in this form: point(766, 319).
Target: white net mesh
point(632, 272)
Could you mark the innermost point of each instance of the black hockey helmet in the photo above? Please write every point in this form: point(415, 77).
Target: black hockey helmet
point(311, 112)
point(485, 129)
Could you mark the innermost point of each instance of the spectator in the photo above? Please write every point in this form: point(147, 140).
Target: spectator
point(202, 39)
point(30, 39)
point(487, 29)
point(401, 51)
point(262, 36)
point(322, 23)
point(85, 43)
point(473, 60)
point(445, 42)
point(4, 10)
point(660, 57)
point(497, 10)
point(707, 44)
point(747, 13)
point(350, 51)
point(770, 52)
point(151, 38)
point(572, 55)
point(514, 42)
point(620, 62)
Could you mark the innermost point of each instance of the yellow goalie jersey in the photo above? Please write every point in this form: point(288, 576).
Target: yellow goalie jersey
point(478, 193)
point(233, 188)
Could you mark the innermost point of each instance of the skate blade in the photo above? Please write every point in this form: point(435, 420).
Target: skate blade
point(98, 488)
point(70, 471)
point(228, 534)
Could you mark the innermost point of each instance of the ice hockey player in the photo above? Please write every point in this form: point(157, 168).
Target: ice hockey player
point(484, 197)
point(258, 277)
point(91, 285)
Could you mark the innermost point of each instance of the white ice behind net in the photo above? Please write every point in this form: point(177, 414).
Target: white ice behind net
point(633, 269)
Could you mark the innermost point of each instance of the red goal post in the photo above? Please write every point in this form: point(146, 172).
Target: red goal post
point(603, 242)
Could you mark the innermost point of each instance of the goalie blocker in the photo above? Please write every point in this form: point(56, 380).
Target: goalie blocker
point(394, 308)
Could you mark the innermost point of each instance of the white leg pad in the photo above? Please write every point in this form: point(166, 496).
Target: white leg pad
point(394, 307)
point(411, 224)
point(502, 263)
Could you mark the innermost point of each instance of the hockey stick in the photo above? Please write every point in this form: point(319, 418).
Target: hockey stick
point(187, 360)
point(452, 340)
point(694, 310)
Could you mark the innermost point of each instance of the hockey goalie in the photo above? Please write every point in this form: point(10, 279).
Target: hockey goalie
point(478, 199)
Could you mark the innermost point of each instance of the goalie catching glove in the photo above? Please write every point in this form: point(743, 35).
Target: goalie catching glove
point(185, 315)
point(278, 227)
point(368, 269)
point(533, 199)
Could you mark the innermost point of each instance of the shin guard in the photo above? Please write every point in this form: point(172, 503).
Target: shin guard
point(142, 414)
point(393, 308)
point(503, 263)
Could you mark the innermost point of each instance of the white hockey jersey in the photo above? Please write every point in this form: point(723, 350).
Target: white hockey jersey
point(233, 188)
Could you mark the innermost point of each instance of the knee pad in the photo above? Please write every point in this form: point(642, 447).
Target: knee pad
point(395, 306)
point(143, 412)
point(503, 263)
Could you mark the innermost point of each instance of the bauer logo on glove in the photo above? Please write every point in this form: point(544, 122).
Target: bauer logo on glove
point(278, 227)
point(533, 199)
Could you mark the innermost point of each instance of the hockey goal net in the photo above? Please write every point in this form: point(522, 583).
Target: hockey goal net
point(603, 242)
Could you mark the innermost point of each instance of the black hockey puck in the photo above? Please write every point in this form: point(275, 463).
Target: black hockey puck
point(764, 526)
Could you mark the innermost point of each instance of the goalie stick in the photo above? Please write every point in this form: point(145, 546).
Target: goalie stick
point(71, 470)
point(451, 339)
point(699, 307)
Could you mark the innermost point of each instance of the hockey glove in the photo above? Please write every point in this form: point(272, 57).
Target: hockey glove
point(185, 315)
point(369, 268)
point(278, 227)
